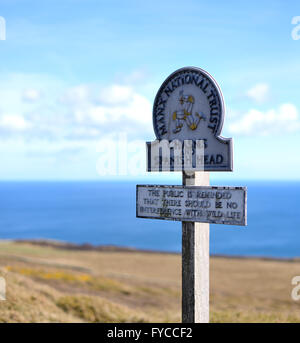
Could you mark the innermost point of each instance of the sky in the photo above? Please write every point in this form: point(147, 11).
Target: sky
point(79, 77)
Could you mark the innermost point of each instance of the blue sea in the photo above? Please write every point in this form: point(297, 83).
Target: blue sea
point(104, 213)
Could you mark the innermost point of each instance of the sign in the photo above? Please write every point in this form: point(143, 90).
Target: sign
point(188, 115)
point(189, 106)
point(215, 205)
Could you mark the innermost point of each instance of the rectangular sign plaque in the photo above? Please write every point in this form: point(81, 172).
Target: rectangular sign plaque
point(205, 204)
point(172, 156)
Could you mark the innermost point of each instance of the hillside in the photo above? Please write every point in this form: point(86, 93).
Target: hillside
point(64, 283)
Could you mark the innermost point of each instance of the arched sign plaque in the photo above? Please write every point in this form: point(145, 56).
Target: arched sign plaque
point(189, 106)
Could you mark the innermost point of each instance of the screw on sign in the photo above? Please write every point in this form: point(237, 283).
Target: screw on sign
point(188, 115)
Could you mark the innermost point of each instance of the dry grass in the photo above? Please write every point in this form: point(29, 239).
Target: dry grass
point(47, 284)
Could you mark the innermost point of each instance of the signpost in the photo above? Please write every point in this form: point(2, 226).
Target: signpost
point(188, 115)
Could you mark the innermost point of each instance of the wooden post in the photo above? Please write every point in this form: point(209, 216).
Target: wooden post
point(195, 261)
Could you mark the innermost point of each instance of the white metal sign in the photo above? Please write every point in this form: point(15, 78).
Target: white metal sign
point(215, 205)
point(189, 106)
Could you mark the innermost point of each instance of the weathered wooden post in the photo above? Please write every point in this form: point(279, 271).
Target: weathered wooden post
point(188, 115)
point(195, 262)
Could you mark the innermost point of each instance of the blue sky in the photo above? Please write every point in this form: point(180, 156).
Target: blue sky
point(77, 75)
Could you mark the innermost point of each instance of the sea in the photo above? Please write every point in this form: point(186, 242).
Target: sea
point(104, 213)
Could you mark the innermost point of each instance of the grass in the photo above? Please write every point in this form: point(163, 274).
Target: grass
point(53, 284)
point(96, 309)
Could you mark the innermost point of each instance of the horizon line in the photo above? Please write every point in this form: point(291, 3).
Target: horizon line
point(141, 179)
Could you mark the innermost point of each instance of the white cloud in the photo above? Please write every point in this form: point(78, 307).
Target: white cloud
point(75, 95)
point(83, 112)
point(107, 110)
point(284, 119)
point(89, 112)
point(13, 123)
point(31, 95)
point(116, 94)
point(259, 93)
